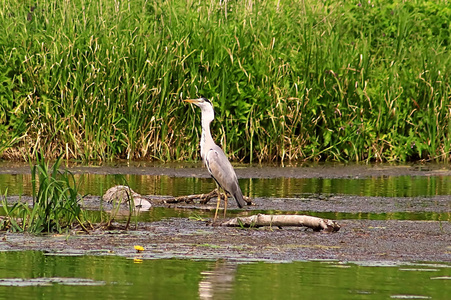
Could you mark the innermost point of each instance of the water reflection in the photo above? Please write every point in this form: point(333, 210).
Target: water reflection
point(217, 283)
point(397, 186)
point(159, 213)
point(121, 278)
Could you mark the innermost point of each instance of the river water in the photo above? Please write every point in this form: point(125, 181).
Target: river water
point(41, 275)
point(36, 275)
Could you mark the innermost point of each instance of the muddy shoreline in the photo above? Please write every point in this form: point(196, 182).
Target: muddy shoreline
point(358, 240)
point(181, 238)
point(306, 170)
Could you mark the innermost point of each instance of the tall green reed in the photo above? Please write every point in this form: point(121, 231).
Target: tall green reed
point(338, 80)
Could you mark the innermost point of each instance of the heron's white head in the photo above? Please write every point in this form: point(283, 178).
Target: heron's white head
point(208, 114)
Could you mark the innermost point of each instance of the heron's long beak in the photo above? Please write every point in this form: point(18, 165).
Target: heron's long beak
point(191, 100)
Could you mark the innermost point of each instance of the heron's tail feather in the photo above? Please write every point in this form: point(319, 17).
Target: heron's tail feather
point(238, 196)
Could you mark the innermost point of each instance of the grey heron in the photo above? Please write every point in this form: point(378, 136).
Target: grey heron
point(214, 158)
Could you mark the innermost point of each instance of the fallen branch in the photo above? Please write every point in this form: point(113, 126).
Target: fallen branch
point(203, 198)
point(260, 220)
point(121, 194)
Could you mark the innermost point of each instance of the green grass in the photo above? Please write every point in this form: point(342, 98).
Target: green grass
point(56, 203)
point(290, 80)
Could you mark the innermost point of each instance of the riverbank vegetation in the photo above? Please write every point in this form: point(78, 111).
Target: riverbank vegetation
point(56, 203)
point(290, 80)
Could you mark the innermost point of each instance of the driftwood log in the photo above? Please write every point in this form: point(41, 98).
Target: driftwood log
point(260, 220)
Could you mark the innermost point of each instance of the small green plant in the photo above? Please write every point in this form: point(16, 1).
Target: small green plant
point(56, 206)
point(8, 222)
point(243, 226)
point(123, 196)
point(210, 246)
point(196, 217)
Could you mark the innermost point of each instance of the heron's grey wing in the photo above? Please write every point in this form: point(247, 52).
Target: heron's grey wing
point(220, 168)
point(222, 171)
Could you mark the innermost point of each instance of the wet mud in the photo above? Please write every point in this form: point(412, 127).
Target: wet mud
point(359, 239)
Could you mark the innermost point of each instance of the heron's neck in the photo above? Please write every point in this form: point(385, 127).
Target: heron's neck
point(206, 138)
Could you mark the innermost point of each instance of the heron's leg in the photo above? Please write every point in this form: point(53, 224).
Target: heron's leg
point(225, 203)
point(217, 205)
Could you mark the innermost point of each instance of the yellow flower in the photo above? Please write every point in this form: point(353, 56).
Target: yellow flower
point(139, 248)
